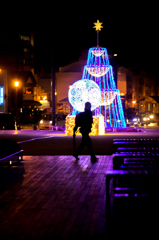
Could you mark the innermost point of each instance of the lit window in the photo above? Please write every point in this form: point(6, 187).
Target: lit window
point(28, 90)
point(1, 95)
point(25, 38)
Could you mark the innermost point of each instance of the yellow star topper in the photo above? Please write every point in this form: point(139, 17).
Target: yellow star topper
point(98, 26)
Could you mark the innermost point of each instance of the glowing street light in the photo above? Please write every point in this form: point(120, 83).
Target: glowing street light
point(16, 84)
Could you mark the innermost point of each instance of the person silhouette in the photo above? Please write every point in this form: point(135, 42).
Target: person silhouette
point(84, 120)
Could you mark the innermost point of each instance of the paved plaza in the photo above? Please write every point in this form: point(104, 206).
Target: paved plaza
point(48, 196)
point(45, 197)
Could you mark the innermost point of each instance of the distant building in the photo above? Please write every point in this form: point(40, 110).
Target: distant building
point(17, 51)
point(66, 76)
point(138, 89)
point(17, 63)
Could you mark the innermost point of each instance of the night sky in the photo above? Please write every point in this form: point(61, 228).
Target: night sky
point(130, 30)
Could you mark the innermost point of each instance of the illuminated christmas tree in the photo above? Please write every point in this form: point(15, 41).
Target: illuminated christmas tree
point(98, 87)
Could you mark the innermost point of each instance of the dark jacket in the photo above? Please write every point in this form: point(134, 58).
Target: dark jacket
point(84, 120)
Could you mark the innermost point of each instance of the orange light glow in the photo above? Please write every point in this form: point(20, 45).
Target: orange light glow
point(16, 83)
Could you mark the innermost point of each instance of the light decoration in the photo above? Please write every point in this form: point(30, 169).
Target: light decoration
point(96, 71)
point(99, 70)
point(98, 26)
point(98, 53)
point(43, 101)
point(107, 97)
point(108, 110)
point(98, 127)
point(82, 91)
point(101, 125)
point(1, 95)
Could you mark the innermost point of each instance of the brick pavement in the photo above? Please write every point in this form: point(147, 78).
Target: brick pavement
point(46, 197)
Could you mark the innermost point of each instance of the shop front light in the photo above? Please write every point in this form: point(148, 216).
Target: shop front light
point(134, 119)
point(144, 119)
point(41, 121)
point(50, 122)
point(151, 116)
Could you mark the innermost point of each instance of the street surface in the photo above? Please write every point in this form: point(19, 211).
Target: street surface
point(38, 142)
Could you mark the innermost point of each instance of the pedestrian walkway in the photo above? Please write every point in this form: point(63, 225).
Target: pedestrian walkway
point(45, 197)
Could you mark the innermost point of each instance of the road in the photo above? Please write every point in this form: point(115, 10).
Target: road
point(37, 142)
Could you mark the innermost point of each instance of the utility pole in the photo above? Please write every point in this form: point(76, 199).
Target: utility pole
point(53, 85)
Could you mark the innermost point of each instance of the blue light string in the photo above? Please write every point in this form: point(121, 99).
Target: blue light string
point(107, 80)
point(74, 111)
point(105, 110)
point(121, 110)
point(117, 113)
point(113, 110)
point(84, 72)
point(106, 83)
point(100, 89)
point(99, 59)
point(96, 81)
point(103, 58)
point(111, 78)
point(109, 109)
point(89, 56)
point(113, 82)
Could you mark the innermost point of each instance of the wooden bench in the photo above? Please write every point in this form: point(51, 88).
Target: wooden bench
point(136, 140)
point(10, 152)
point(135, 160)
point(14, 157)
point(137, 150)
point(135, 143)
point(131, 199)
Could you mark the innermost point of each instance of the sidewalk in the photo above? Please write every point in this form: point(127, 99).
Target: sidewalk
point(45, 197)
point(28, 126)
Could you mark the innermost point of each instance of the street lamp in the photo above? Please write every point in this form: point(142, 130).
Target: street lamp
point(16, 84)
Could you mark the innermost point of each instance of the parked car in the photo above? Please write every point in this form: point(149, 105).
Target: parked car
point(46, 121)
point(7, 121)
point(148, 117)
point(132, 119)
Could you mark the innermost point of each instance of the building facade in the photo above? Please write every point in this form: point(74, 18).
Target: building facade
point(17, 64)
point(138, 89)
